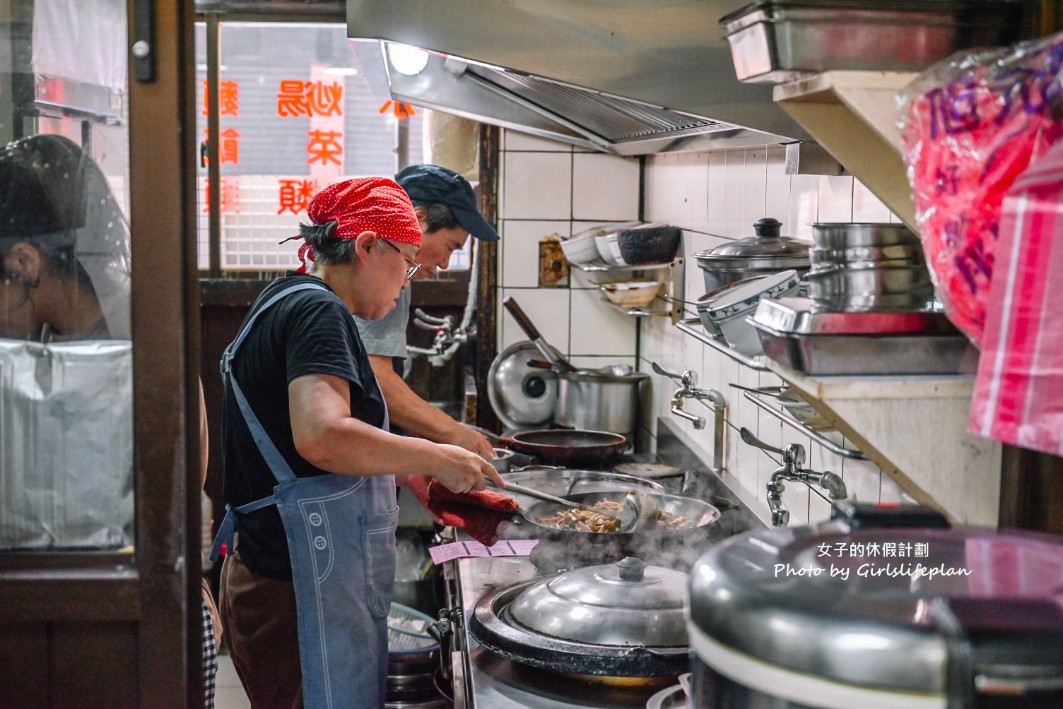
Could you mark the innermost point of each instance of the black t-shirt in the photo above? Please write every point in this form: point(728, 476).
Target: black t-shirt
point(307, 332)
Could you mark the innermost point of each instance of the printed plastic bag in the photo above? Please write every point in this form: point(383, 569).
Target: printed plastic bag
point(969, 126)
point(1018, 395)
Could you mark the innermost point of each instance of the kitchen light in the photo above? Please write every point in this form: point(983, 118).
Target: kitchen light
point(407, 60)
point(341, 71)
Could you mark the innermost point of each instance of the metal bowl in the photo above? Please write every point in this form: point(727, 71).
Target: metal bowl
point(898, 255)
point(873, 288)
point(847, 235)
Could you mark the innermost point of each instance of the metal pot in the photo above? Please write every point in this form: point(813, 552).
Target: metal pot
point(621, 620)
point(503, 460)
point(600, 400)
point(759, 255)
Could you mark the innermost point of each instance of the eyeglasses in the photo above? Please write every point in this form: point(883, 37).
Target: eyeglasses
point(414, 266)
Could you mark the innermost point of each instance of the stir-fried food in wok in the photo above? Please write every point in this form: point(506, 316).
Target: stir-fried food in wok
point(592, 519)
point(589, 519)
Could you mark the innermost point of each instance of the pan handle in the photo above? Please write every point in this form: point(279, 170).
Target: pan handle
point(522, 320)
point(533, 334)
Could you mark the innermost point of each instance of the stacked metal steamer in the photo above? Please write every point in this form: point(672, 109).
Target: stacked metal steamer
point(870, 310)
point(865, 267)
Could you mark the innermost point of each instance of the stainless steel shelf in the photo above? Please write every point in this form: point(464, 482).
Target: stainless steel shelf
point(802, 428)
point(640, 312)
point(694, 328)
point(598, 266)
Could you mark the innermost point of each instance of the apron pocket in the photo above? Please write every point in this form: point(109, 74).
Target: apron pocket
point(380, 560)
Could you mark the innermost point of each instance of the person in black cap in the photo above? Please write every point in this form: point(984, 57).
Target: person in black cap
point(447, 211)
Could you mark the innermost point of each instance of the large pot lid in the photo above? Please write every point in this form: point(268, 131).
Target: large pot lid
point(626, 603)
point(521, 396)
point(766, 246)
point(881, 612)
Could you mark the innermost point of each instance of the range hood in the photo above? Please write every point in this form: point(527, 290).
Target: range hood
point(631, 77)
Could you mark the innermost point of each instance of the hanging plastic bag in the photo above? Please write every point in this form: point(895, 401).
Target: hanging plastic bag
point(969, 126)
point(1018, 396)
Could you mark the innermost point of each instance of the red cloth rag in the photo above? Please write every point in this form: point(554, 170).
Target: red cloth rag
point(476, 513)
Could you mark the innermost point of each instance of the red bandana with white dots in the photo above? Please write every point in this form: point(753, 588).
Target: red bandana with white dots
point(375, 204)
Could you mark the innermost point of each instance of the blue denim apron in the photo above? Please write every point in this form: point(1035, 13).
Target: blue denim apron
point(341, 539)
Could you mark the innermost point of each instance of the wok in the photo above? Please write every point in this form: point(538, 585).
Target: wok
point(643, 542)
point(567, 446)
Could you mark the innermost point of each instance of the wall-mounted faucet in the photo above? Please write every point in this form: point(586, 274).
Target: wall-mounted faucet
point(792, 468)
point(447, 340)
point(690, 390)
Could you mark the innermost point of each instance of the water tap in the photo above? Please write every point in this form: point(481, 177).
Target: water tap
point(792, 468)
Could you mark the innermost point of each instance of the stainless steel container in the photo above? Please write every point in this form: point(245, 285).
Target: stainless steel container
point(599, 400)
point(846, 235)
point(856, 289)
point(780, 40)
point(868, 267)
point(765, 253)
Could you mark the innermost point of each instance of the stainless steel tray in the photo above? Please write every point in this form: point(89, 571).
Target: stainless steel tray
point(798, 316)
point(781, 40)
point(867, 354)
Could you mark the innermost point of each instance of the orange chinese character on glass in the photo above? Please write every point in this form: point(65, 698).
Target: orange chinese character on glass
point(230, 98)
point(309, 98)
point(294, 195)
point(291, 99)
point(230, 196)
point(230, 146)
point(323, 146)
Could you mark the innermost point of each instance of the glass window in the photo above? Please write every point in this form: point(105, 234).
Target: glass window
point(295, 115)
point(66, 428)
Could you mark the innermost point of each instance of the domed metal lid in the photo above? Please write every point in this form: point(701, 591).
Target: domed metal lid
point(897, 610)
point(766, 245)
point(520, 395)
point(626, 603)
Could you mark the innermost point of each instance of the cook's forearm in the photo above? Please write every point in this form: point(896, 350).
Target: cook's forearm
point(352, 447)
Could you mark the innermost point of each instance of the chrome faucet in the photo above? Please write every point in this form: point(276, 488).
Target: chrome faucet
point(690, 390)
point(448, 337)
point(792, 468)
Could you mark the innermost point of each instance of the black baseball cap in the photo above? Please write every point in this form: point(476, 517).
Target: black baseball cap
point(432, 184)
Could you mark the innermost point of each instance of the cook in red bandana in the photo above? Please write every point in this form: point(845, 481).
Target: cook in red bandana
point(310, 466)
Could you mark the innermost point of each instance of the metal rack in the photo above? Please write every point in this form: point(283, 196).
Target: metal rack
point(674, 281)
point(694, 328)
point(642, 312)
point(599, 266)
point(815, 435)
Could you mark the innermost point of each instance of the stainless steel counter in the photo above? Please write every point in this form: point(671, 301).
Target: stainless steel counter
point(483, 679)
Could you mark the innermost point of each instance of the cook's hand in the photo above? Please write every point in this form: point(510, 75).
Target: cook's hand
point(463, 471)
point(470, 440)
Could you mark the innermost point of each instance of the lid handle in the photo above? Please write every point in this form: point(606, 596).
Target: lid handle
point(767, 228)
point(631, 568)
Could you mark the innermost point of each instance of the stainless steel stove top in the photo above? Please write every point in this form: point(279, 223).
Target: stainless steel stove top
point(485, 680)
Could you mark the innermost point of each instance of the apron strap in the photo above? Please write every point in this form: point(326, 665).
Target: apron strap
point(227, 528)
point(230, 351)
point(282, 472)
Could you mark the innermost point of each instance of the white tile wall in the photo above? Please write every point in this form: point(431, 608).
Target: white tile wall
point(713, 196)
point(605, 187)
point(536, 185)
point(520, 247)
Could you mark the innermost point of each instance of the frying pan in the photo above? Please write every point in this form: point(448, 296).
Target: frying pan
point(567, 447)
